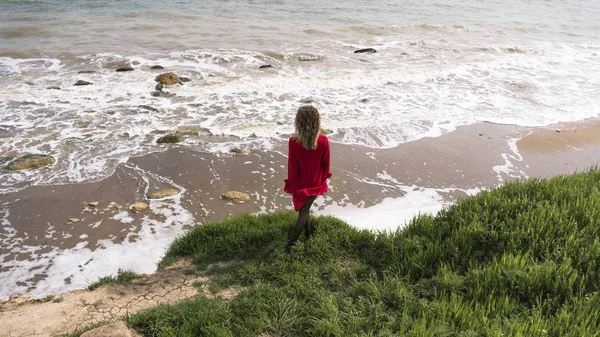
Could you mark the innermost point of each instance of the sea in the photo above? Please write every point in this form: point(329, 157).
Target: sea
point(438, 65)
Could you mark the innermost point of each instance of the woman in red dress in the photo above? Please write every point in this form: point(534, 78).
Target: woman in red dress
point(308, 167)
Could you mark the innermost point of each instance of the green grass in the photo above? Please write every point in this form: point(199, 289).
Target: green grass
point(122, 277)
point(520, 260)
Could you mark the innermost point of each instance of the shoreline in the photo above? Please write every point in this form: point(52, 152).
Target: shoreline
point(383, 185)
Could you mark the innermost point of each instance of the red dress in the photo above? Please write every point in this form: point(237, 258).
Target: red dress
point(308, 171)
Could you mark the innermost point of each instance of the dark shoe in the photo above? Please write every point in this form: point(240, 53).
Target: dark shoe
point(288, 247)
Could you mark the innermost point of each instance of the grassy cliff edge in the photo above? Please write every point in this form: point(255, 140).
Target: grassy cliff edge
point(519, 260)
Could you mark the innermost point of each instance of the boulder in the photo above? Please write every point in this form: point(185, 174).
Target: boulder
point(185, 79)
point(147, 107)
point(326, 131)
point(30, 162)
point(138, 207)
point(265, 66)
point(162, 93)
point(167, 79)
point(86, 72)
point(191, 130)
point(118, 329)
point(54, 87)
point(162, 194)
point(365, 50)
point(238, 150)
point(157, 67)
point(236, 196)
point(170, 138)
point(81, 82)
point(124, 69)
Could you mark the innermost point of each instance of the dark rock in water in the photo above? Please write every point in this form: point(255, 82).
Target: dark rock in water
point(86, 72)
point(170, 138)
point(280, 123)
point(54, 87)
point(326, 131)
point(365, 50)
point(30, 83)
point(159, 87)
point(185, 79)
point(147, 107)
point(189, 130)
point(30, 162)
point(364, 100)
point(167, 79)
point(80, 82)
point(125, 69)
point(135, 63)
point(265, 66)
point(162, 94)
point(238, 150)
point(157, 67)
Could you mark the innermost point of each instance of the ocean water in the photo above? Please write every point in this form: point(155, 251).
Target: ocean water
point(439, 65)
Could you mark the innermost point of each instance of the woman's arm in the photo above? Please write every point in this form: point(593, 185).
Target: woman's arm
point(291, 183)
point(325, 161)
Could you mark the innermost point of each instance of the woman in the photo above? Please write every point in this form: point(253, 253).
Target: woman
point(308, 167)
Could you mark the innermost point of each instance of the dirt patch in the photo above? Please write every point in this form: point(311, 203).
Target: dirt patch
point(81, 308)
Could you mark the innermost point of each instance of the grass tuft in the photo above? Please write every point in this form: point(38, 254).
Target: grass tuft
point(122, 277)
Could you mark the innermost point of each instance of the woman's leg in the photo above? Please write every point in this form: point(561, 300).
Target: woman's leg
point(302, 219)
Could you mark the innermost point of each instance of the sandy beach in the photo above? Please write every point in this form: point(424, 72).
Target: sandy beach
point(454, 165)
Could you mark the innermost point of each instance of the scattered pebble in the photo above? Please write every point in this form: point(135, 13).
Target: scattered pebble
point(74, 220)
point(93, 204)
point(138, 207)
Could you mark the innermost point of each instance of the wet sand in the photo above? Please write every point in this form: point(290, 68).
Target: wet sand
point(469, 159)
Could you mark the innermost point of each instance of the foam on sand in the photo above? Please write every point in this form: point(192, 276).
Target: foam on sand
point(394, 213)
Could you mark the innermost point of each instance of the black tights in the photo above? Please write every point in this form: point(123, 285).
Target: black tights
point(303, 220)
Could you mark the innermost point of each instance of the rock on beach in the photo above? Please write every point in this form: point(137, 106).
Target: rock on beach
point(162, 194)
point(138, 206)
point(170, 138)
point(30, 162)
point(365, 50)
point(82, 82)
point(236, 196)
point(123, 69)
point(168, 79)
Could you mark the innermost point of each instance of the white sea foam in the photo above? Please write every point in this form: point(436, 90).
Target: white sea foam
point(508, 169)
point(393, 213)
point(372, 100)
point(80, 265)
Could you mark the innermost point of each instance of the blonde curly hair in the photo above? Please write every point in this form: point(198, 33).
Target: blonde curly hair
point(308, 126)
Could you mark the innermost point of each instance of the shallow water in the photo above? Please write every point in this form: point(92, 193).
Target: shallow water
point(438, 65)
